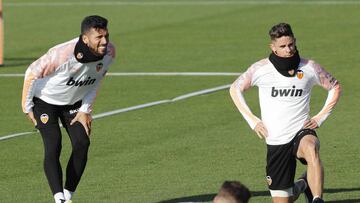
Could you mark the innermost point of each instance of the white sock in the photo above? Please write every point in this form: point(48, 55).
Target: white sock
point(58, 197)
point(68, 194)
point(316, 197)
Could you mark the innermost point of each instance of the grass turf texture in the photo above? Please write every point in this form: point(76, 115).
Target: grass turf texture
point(190, 147)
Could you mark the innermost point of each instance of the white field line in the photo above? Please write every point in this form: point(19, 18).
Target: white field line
point(16, 135)
point(176, 3)
point(148, 74)
point(12, 75)
point(174, 74)
point(132, 108)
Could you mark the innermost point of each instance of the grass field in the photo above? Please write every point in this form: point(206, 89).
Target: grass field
point(183, 151)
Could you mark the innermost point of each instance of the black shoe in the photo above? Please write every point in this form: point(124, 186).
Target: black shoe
point(298, 188)
point(318, 200)
point(307, 192)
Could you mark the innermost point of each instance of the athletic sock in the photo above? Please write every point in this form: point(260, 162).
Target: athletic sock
point(316, 197)
point(68, 194)
point(59, 197)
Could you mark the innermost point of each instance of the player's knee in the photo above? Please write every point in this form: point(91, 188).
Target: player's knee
point(313, 146)
point(311, 150)
point(309, 146)
point(81, 144)
point(51, 156)
point(52, 151)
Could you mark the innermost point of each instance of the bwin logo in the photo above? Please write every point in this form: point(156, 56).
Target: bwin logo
point(286, 92)
point(80, 83)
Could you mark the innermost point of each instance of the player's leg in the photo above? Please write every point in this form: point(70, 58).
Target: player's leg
point(47, 123)
point(282, 200)
point(280, 170)
point(283, 197)
point(308, 153)
point(302, 181)
point(80, 145)
point(300, 186)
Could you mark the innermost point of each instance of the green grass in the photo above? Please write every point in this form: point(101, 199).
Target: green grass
point(187, 148)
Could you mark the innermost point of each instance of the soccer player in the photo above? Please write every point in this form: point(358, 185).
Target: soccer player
point(232, 192)
point(62, 84)
point(284, 82)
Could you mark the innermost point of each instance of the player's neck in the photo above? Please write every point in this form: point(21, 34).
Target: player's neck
point(285, 66)
point(83, 54)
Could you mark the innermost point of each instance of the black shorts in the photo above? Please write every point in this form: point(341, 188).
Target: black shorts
point(281, 162)
point(48, 115)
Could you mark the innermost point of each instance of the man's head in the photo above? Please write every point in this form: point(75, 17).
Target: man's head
point(95, 34)
point(283, 42)
point(232, 192)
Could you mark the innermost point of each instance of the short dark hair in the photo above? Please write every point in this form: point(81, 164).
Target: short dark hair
point(93, 21)
point(279, 30)
point(236, 190)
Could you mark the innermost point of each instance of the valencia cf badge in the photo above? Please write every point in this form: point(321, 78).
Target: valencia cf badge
point(44, 118)
point(79, 55)
point(269, 180)
point(99, 67)
point(300, 74)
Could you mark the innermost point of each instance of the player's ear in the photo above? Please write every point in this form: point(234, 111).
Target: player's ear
point(272, 47)
point(85, 38)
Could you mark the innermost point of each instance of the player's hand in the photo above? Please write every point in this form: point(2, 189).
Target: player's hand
point(31, 117)
point(85, 119)
point(261, 130)
point(312, 124)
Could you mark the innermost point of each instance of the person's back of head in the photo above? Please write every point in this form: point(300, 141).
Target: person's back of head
point(233, 192)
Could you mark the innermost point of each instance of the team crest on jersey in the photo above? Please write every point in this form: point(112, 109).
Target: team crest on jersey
point(300, 74)
point(269, 180)
point(99, 67)
point(79, 55)
point(44, 118)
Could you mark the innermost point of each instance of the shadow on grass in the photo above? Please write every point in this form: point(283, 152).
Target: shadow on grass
point(345, 201)
point(196, 198)
point(17, 61)
point(210, 197)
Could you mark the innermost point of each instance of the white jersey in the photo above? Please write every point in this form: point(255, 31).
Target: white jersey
point(284, 101)
point(58, 78)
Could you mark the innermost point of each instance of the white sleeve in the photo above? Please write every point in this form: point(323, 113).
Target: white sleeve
point(332, 99)
point(328, 82)
point(236, 91)
point(28, 91)
point(40, 68)
point(89, 98)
